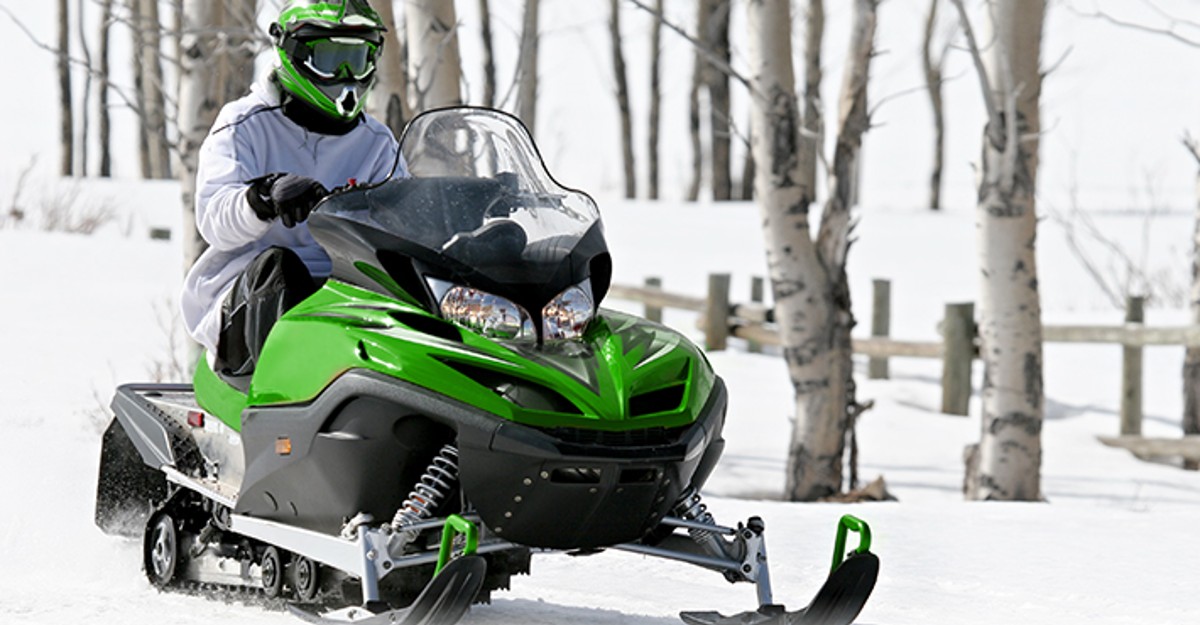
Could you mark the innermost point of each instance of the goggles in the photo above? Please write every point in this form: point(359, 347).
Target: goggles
point(335, 57)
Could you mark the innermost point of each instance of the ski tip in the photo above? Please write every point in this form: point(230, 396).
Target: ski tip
point(844, 594)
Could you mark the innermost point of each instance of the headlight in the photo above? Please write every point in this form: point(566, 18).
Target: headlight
point(487, 314)
point(567, 316)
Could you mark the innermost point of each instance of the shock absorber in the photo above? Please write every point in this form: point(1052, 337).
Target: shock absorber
point(434, 485)
point(692, 508)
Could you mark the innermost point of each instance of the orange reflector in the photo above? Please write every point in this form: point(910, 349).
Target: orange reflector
point(196, 419)
point(283, 446)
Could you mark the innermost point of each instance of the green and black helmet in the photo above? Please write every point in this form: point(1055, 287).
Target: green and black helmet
point(327, 53)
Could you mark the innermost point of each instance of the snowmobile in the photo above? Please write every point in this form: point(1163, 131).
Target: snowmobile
point(450, 402)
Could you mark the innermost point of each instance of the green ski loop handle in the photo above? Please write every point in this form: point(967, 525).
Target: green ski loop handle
point(846, 524)
point(456, 525)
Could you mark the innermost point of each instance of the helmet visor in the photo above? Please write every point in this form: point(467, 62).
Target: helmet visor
point(329, 58)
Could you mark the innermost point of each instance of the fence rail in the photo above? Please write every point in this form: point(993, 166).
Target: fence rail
point(754, 322)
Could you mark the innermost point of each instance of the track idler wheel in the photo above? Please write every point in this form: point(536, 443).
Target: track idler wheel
point(306, 579)
point(161, 553)
point(273, 572)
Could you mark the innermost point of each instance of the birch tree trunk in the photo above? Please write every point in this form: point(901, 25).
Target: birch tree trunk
point(833, 239)
point(1191, 362)
point(388, 101)
point(153, 96)
point(217, 40)
point(812, 141)
point(434, 65)
point(134, 9)
point(1007, 461)
point(693, 190)
point(655, 102)
point(489, 55)
point(933, 85)
point(527, 82)
point(627, 158)
point(84, 112)
point(807, 278)
point(716, 39)
point(104, 117)
point(66, 111)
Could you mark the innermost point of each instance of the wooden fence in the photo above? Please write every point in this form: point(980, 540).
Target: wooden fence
point(720, 319)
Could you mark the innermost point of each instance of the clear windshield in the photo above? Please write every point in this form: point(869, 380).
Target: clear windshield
point(479, 193)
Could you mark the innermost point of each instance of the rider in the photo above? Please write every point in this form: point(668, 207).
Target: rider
point(270, 157)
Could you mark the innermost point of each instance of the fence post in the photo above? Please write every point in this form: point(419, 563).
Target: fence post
point(654, 313)
point(881, 316)
point(958, 337)
point(1131, 372)
point(756, 296)
point(716, 312)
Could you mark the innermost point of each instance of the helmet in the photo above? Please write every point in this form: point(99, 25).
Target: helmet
point(327, 53)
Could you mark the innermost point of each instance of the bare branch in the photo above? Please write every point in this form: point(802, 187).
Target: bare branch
point(1169, 31)
point(977, 57)
point(125, 97)
point(896, 95)
point(1192, 146)
point(1055, 65)
point(708, 54)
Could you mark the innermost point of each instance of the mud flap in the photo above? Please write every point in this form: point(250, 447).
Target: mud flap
point(126, 489)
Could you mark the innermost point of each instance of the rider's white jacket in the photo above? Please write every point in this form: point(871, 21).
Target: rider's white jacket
point(253, 138)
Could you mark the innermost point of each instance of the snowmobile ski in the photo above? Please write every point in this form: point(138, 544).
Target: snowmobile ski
point(839, 600)
point(443, 602)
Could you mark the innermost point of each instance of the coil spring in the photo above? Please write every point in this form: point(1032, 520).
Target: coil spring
point(431, 490)
point(692, 508)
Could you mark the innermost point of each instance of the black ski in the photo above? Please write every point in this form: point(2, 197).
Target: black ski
point(838, 602)
point(443, 602)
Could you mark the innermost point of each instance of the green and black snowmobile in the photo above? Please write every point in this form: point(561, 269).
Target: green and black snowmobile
point(450, 401)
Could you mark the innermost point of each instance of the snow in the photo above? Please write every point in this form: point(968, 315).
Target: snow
point(1115, 544)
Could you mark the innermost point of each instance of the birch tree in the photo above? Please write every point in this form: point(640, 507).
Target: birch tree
point(388, 101)
point(655, 124)
point(619, 73)
point(434, 65)
point(933, 67)
point(808, 278)
point(715, 36)
point(104, 117)
point(693, 190)
point(1006, 463)
point(217, 40)
point(527, 79)
point(489, 55)
point(66, 111)
point(812, 139)
point(84, 111)
point(1191, 361)
point(151, 95)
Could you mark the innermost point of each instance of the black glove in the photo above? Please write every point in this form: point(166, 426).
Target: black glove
point(286, 196)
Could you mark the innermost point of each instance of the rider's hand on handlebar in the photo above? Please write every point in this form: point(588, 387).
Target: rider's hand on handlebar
point(286, 196)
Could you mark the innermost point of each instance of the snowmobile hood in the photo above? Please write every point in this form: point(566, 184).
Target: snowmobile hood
point(624, 374)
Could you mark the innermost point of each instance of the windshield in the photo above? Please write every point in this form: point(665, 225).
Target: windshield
point(479, 194)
